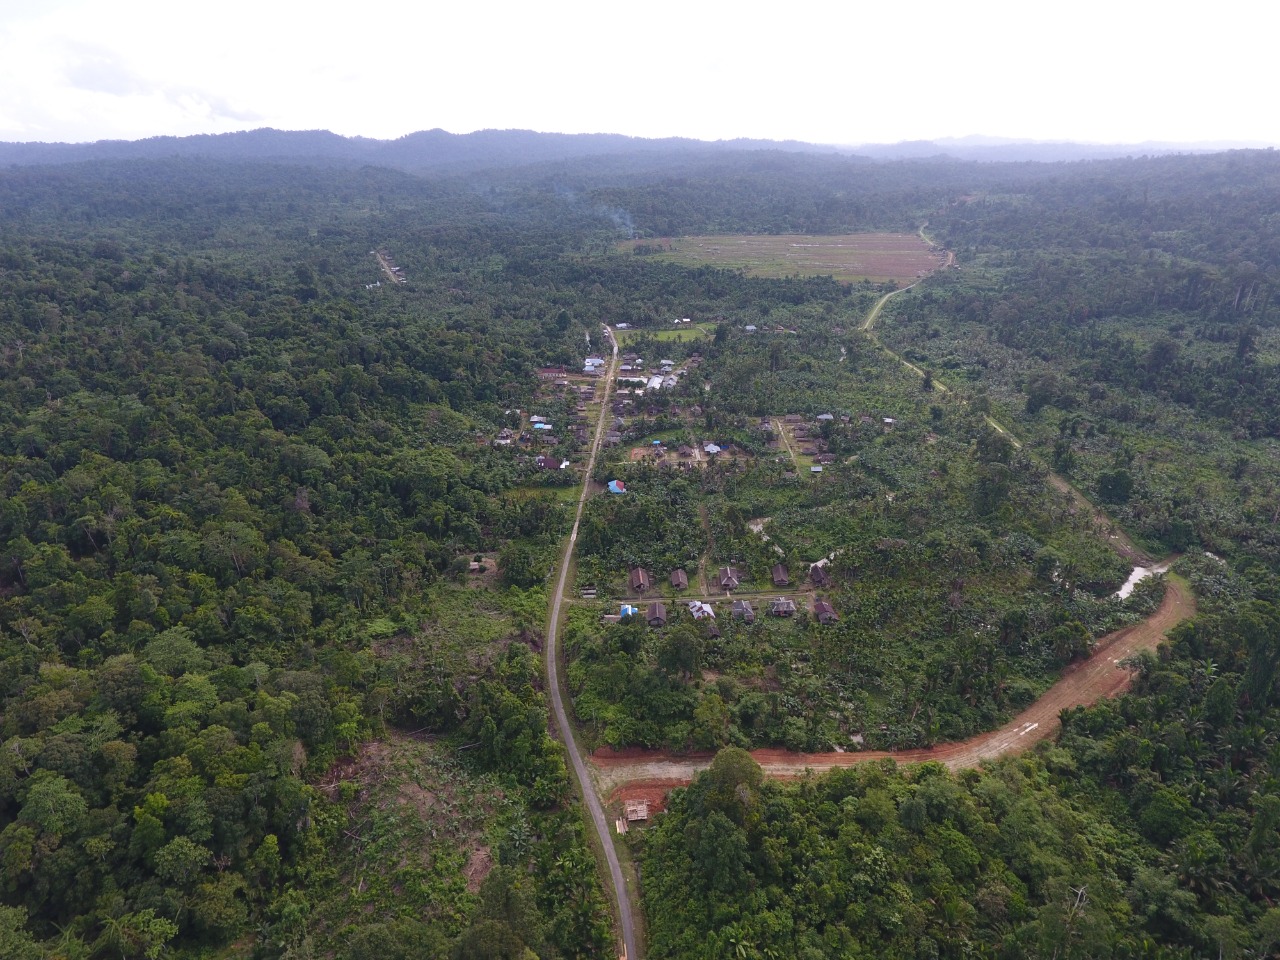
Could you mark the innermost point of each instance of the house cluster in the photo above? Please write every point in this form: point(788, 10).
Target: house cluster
point(657, 613)
point(541, 430)
point(632, 373)
point(807, 435)
point(389, 265)
point(593, 366)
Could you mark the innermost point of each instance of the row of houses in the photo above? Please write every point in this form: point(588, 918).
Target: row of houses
point(729, 578)
point(656, 614)
point(640, 580)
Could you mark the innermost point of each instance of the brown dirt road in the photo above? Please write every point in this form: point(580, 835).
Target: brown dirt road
point(649, 774)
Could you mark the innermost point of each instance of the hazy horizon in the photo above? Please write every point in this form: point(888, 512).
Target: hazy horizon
point(973, 140)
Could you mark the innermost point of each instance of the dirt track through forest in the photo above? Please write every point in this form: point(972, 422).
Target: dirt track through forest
point(644, 774)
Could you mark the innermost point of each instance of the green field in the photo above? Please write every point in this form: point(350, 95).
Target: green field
point(685, 333)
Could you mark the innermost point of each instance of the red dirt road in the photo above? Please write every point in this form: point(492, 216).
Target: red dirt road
point(649, 774)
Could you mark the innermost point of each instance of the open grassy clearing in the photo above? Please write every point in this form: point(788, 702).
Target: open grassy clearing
point(898, 257)
point(685, 333)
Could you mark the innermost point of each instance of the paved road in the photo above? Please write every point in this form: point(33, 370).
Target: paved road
point(626, 921)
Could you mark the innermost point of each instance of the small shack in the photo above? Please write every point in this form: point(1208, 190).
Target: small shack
point(635, 810)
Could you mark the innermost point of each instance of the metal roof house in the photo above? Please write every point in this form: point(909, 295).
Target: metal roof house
point(728, 579)
point(782, 607)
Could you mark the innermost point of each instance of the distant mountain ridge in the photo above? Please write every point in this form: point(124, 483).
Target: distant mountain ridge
point(1007, 149)
point(426, 151)
point(438, 151)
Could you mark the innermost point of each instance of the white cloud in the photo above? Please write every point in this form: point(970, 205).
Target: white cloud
point(852, 73)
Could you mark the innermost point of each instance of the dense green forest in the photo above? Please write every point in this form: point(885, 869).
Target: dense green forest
point(238, 491)
point(272, 599)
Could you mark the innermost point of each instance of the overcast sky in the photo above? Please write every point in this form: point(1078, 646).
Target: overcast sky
point(844, 71)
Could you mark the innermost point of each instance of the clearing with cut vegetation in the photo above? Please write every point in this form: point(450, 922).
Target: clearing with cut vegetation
point(898, 257)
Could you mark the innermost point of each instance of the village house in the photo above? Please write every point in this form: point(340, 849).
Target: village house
point(743, 610)
point(701, 611)
point(657, 614)
point(825, 613)
point(818, 575)
point(780, 578)
point(640, 580)
point(782, 607)
point(679, 579)
point(728, 579)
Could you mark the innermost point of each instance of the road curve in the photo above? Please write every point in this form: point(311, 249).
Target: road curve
point(626, 921)
point(1081, 684)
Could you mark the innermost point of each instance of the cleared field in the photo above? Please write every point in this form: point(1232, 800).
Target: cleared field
point(901, 257)
point(683, 334)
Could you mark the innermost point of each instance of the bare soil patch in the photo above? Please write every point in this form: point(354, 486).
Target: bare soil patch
point(479, 863)
point(415, 796)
